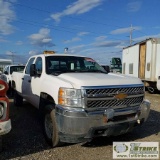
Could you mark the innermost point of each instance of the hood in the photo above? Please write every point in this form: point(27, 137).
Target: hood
point(98, 79)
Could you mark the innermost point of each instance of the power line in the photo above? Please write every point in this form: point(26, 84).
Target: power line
point(66, 28)
point(81, 19)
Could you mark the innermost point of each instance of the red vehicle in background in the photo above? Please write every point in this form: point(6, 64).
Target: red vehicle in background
point(5, 122)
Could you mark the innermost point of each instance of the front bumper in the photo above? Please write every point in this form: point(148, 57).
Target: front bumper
point(78, 125)
point(5, 127)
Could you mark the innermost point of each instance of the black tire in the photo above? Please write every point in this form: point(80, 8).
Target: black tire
point(9, 89)
point(50, 128)
point(18, 100)
point(1, 144)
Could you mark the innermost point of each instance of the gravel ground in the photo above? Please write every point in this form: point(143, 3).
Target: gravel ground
point(26, 140)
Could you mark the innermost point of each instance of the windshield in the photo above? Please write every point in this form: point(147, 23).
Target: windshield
point(63, 64)
point(16, 69)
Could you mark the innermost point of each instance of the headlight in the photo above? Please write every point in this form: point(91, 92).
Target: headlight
point(70, 97)
point(1, 111)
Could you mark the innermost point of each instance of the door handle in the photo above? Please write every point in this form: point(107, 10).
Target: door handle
point(22, 78)
point(29, 81)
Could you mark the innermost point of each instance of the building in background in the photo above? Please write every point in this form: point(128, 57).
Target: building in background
point(142, 60)
point(4, 62)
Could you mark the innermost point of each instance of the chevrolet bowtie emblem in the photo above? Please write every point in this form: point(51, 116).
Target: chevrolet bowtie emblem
point(120, 96)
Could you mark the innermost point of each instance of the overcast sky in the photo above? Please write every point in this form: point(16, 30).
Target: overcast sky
point(95, 28)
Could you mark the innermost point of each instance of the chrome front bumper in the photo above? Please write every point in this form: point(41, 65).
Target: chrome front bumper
point(78, 125)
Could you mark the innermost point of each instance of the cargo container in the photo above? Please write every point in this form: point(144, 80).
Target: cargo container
point(143, 60)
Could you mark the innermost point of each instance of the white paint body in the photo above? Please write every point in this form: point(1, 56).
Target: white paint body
point(8, 69)
point(50, 84)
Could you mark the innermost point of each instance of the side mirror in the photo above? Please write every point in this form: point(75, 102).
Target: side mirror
point(5, 72)
point(32, 70)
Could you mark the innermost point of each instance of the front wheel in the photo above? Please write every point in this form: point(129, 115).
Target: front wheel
point(50, 128)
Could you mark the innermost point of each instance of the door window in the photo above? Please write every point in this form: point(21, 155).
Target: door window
point(39, 65)
point(27, 71)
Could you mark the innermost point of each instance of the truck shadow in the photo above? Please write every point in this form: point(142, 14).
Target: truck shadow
point(26, 135)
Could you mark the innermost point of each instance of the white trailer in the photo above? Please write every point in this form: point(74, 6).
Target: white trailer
point(143, 60)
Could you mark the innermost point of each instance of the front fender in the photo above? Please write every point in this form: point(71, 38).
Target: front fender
point(51, 87)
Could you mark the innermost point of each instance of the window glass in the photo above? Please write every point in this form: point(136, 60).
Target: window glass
point(39, 65)
point(124, 68)
point(131, 68)
point(6, 69)
point(27, 71)
point(16, 69)
point(148, 66)
point(71, 64)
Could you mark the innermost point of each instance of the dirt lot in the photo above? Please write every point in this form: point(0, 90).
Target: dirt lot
point(26, 141)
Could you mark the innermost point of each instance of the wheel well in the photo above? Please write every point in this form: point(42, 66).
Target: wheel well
point(150, 84)
point(9, 83)
point(13, 84)
point(46, 99)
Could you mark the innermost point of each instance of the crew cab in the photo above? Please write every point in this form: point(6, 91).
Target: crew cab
point(78, 100)
point(5, 122)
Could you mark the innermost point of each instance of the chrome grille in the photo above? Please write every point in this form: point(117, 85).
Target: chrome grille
point(104, 97)
point(114, 103)
point(130, 90)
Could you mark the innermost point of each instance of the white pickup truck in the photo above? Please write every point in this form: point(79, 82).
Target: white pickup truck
point(7, 73)
point(78, 100)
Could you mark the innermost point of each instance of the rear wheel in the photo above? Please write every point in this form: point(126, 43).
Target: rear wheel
point(50, 128)
point(18, 100)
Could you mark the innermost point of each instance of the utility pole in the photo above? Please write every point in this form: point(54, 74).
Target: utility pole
point(131, 29)
point(12, 58)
